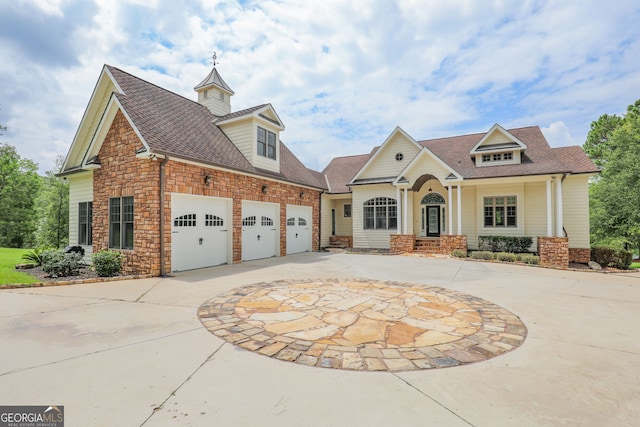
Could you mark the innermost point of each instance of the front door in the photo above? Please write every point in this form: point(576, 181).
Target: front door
point(431, 221)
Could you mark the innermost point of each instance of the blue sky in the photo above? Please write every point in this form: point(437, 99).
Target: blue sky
point(341, 74)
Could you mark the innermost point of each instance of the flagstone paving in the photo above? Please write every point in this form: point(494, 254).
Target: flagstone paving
point(362, 325)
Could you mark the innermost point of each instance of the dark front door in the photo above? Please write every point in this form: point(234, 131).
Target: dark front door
point(433, 221)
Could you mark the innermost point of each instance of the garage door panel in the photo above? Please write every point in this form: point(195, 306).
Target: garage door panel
point(298, 229)
point(199, 231)
point(260, 236)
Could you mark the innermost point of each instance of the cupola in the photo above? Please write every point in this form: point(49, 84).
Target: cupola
point(214, 93)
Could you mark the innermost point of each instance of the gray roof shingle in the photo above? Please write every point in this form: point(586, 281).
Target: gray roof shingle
point(176, 126)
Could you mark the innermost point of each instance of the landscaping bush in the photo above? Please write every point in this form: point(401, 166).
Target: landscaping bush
point(459, 253)
point(107, 263)
point(528, 259)
point(513, 244)
point(59, 264)
point(506, 257)
point(610, 257)
point(34, 257)
point(485, 255)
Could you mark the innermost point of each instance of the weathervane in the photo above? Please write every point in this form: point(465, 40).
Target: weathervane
point(214, 59)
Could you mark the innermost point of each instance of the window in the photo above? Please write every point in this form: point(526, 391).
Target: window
point(205, 94)
point(347, 211)
point(507, 156)
point(486, 158)
point(500, 211)
point(121, 222)
point(85, 213)
point(266, 221)
point(497, 157)
point(302, 221)
point(266, 143)
point(213, 221)
point(291, 222)
point(249, 221)
point(221, 96)
point(187, 220)
point(380, 213)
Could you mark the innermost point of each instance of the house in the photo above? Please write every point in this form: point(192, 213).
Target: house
point(443, 194)
point(176, 184)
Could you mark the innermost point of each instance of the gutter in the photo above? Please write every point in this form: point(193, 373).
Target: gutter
point(163, 271)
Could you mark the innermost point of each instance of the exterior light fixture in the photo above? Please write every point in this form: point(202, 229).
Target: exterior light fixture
point(264, 189)
point(207, 179)
point(430, 189)
point(301, 194)
point(153, 157)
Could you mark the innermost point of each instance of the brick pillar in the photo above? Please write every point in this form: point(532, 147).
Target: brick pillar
point(580, 255)
point(554, 251)
point(399, 243)
point(451, 242)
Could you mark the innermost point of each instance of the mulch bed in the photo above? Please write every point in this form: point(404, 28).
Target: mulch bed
point(37, 272)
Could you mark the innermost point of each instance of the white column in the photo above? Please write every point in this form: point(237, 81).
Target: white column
point(459, 210)
point(406, 211)
point(450, 208)
point(549, 211)
point(559, 223)
point(398, 210)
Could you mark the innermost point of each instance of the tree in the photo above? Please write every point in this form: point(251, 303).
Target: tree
point(52, 207)
point(19, 185)
point(615, 196)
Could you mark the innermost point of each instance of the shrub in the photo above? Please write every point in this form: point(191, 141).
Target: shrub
point(513, 244)
point(506, 256)
point(529, 259)
point(610, 257)
point(486, 255)
point(59, 264)
point(34, 256)
point(459, 253)
point(107, 263)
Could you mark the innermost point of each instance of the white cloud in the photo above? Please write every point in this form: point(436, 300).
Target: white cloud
point(340, 74)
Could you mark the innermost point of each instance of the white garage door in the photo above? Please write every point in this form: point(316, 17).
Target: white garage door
point(260, 230)
point(200, 231)
point(298, 229)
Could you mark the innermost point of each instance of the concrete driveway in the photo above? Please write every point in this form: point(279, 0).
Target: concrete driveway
point(134, 353)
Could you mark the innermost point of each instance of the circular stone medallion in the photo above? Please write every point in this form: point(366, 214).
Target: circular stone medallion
point(362, 325)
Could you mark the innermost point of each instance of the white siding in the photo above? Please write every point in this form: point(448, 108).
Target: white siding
point(575, 199)
point(385, 163)
point(535, 209)
point(378, 239)
point(242, 135)
point(326, 204)
point(343, 225)
point(469, 206)
point(261, 161)
point(496, 138)
point(80, 190)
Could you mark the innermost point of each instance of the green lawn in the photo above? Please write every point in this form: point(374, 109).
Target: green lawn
point(635, 265)
point(8, 260)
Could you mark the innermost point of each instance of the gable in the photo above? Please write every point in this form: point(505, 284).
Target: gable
point(391, 158)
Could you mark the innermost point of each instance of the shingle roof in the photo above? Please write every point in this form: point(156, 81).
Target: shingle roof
point(538, 159)
point(342, 169)
point(214, 79)
point(245, 112)
point(174, 125)
point(575, 159)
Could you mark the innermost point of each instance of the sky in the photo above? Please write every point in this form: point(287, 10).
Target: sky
point(341, 74)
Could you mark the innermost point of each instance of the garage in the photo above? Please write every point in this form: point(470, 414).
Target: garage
point(299, 226)
point(260, 225)
point(200, 231)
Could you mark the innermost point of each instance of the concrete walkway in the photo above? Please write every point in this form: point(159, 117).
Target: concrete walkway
point(134, 353)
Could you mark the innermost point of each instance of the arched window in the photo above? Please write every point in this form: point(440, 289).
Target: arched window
point(432, 199)
point(380, 213)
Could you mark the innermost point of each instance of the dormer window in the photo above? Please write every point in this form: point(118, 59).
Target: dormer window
point(266, 143)
point(507, 156)
point(497, 157)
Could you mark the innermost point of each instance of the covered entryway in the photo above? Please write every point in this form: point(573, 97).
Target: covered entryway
point(200, 231)
point(432, 209)
point(260, 225)
point(299, 228)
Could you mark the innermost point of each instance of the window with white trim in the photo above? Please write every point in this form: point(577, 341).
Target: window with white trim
point(121, 222)
point(380, 213)
point(500, 211)
point(347, 210)
point(85, 213)
point(266, 143)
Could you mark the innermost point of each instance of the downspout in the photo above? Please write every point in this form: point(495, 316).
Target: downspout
point(163, 271)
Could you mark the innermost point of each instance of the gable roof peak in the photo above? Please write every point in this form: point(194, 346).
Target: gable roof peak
point(214, 79)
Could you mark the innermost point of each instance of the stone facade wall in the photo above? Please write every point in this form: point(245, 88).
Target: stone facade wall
point(399, 243)
point(451, 242)
point(346, 241)
point(554, 251)
point(580, 255)
point(122, 174)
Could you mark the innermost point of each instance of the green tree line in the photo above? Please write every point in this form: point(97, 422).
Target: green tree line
point(34, 209)
point(613, 143)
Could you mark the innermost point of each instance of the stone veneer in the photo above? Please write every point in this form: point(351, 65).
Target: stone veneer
point(580, 255)
point(345, 241)
point(554, 251)
point(399, 243)
point(451, 242)
point(122, 174)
